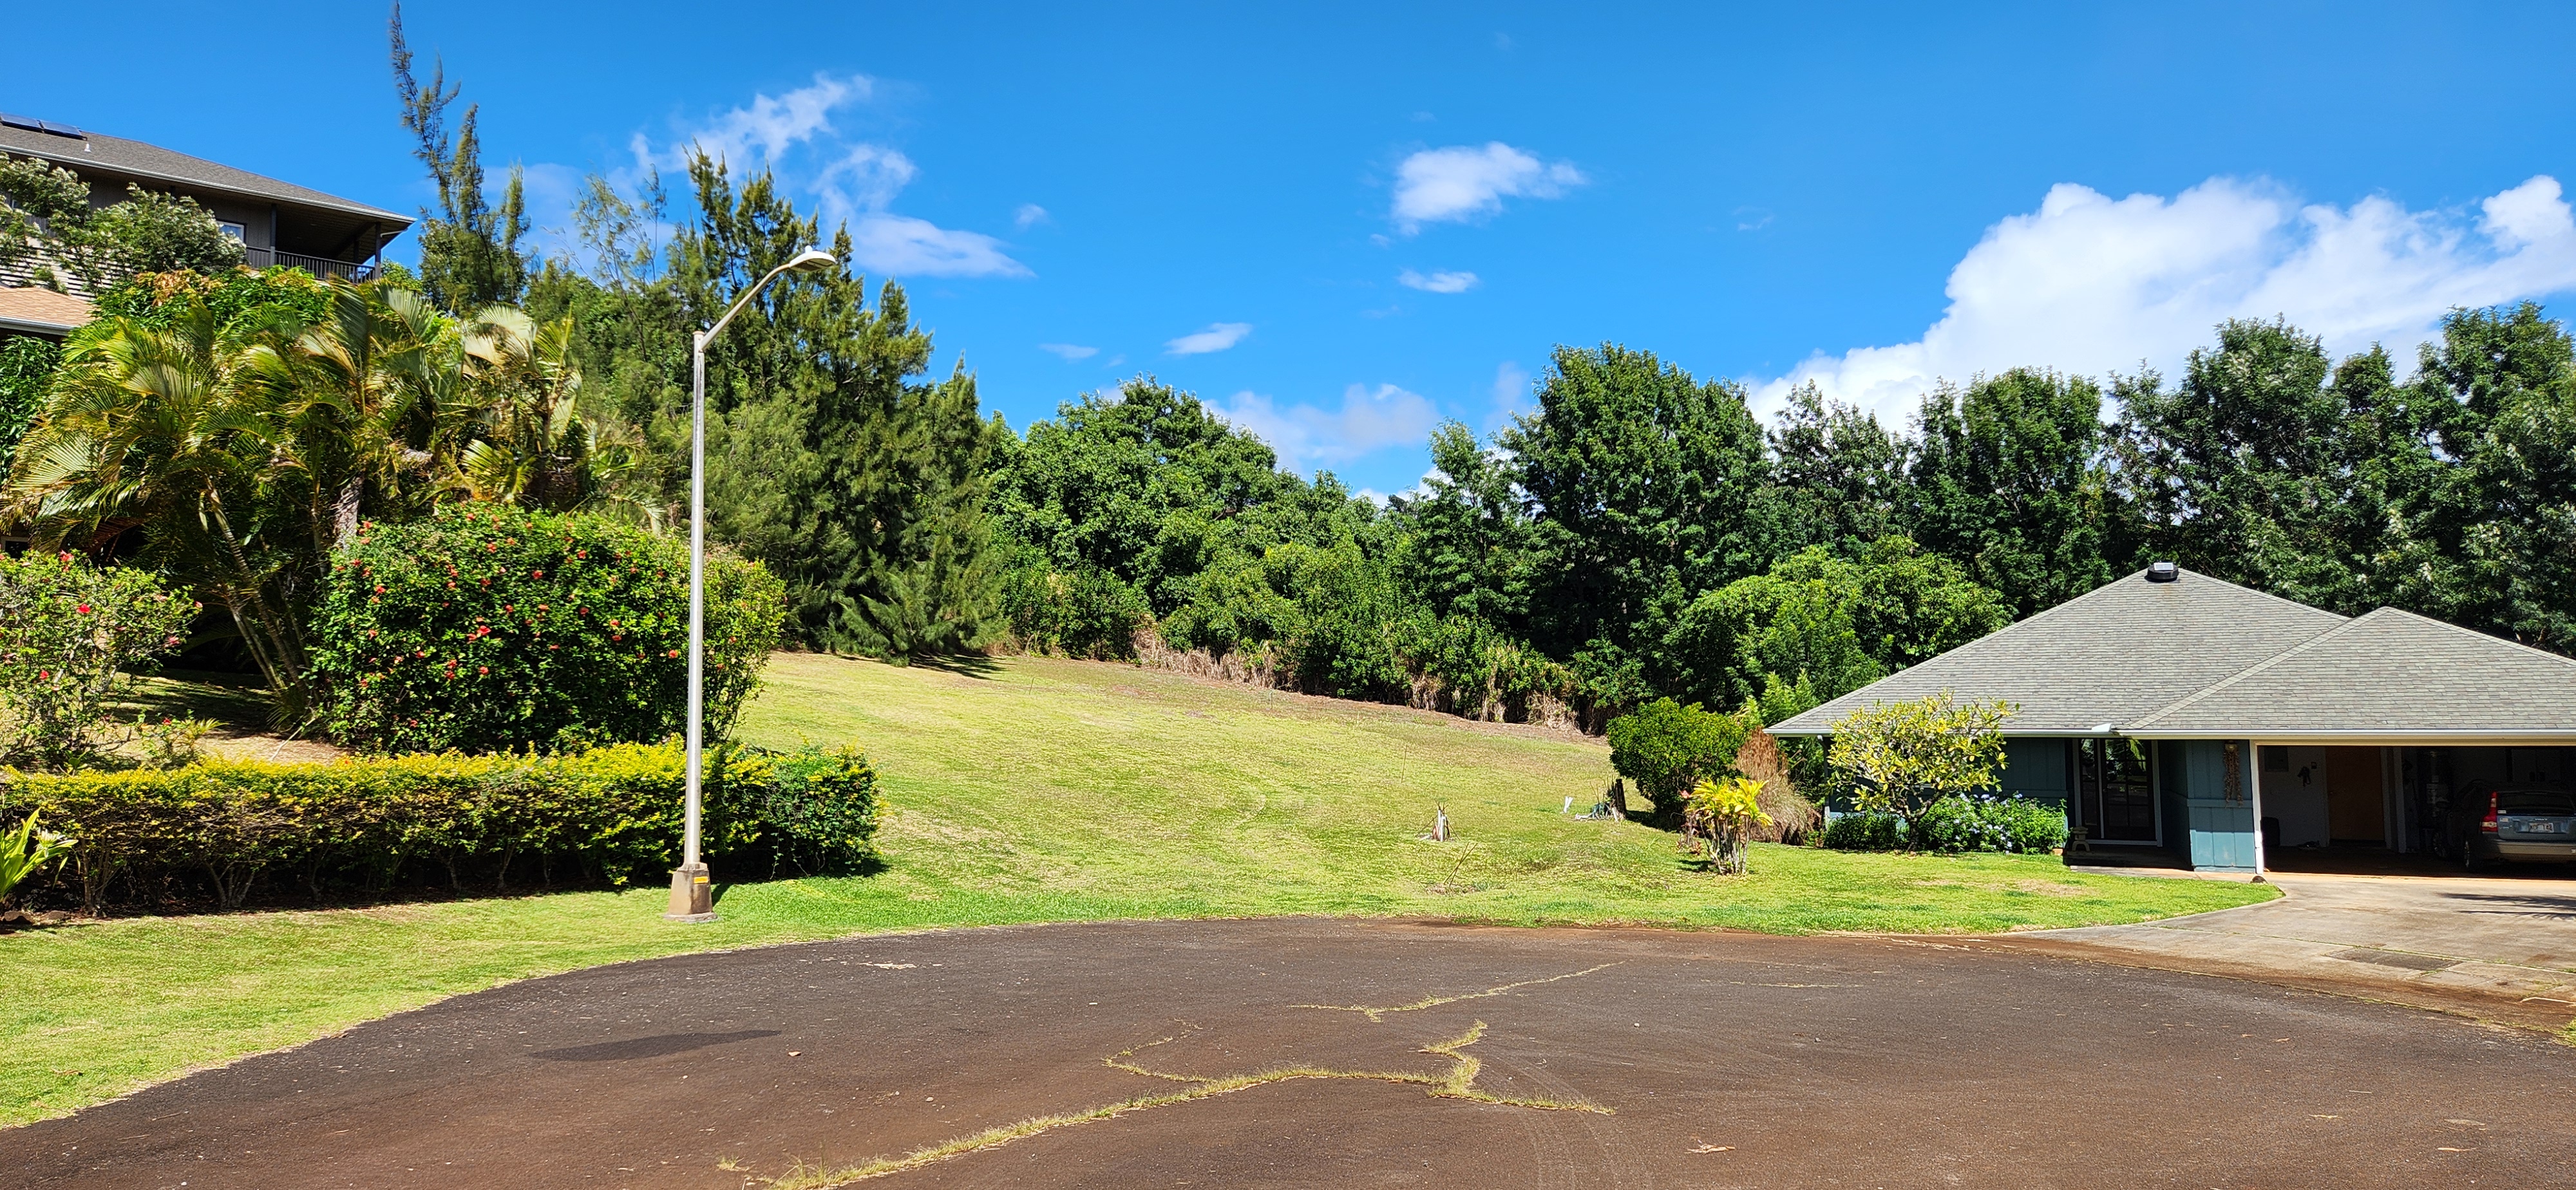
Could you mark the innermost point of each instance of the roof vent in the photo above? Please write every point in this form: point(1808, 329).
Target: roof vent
point(2163, 572)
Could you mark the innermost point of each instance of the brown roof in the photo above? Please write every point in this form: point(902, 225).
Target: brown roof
point(42, 311)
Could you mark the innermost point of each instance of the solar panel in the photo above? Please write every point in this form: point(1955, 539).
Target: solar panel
point(30, 123)
point(62, 129)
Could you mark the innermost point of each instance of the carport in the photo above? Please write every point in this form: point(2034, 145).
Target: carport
point(2183, 719)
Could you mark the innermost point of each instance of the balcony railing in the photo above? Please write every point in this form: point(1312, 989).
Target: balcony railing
point(319, 266)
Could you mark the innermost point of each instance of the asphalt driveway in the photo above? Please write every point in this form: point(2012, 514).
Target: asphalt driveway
point(1307, 1053)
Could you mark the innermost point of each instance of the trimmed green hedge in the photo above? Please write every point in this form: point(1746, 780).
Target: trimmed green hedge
point(219, 831)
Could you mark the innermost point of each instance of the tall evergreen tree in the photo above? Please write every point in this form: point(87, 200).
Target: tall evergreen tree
point(469, 249)
point(828, 460)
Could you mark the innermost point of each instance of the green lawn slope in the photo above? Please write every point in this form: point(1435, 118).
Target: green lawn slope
point(1026, 790)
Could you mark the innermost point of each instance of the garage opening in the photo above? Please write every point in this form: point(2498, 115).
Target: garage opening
point(2351, 808)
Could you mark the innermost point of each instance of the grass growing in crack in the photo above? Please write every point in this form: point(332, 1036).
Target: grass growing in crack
point(1034, 790)
point(1458, 1083)
point(1378, 1014)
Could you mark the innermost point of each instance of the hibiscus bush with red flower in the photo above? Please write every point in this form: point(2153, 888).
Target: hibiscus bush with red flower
point(486, 627)
point(72, 637)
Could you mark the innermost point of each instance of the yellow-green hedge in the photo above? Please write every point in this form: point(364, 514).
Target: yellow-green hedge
point(221, 830)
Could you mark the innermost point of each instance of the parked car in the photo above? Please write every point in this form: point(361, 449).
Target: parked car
point(2492, 824)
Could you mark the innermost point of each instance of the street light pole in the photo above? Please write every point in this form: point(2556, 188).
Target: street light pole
point(692, 892)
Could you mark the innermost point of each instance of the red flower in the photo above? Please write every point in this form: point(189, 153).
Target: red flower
point(84, 608)
point(482, 669)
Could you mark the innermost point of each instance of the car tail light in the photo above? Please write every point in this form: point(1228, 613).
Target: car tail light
point(2488, 823)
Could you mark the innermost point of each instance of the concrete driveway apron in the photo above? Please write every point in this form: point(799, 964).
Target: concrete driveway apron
point(2501, 946)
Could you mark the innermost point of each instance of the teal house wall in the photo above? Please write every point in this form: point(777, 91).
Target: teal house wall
point(2042, 770)
point(2209, 802)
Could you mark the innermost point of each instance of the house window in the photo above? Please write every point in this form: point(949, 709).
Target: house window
point(2113, 791)
point(231, 229)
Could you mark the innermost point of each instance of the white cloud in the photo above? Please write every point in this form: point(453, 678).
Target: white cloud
point(1068, 351)
point(1030, 215)
point(770, 126)
point(853, 187)
point(1310, 436)
point(2089, 284)
point(1438, 282)
point(1217, 337)
point(865, 178)
point(1462, 182)
point(905, 246)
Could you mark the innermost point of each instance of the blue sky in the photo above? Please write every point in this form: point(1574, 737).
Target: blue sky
point(1338, 223)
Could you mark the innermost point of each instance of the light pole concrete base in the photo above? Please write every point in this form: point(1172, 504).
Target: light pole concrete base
point(693, 896)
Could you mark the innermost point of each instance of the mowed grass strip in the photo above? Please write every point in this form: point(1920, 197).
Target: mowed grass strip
point(1026, 790)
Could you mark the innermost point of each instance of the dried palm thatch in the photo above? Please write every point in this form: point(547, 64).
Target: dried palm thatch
point(1792, 815)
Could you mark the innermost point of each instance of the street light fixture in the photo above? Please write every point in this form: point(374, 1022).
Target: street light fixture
point(692, 894)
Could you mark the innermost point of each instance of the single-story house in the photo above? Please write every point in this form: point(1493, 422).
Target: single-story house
point(2171, 711)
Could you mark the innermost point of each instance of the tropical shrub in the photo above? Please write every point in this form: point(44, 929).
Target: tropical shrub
point(1667, 748)
point(1976, 822)
point(612, 815)
point(1079, 613)
point(1863, 831)
point(1903, 756)
point(72, 635)
point(486, 627)
point(25, 852)
point(1718, 817)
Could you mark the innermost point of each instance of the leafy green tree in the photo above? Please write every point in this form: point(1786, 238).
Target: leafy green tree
point(1467, 542)
point(2230, 471)
point(1140, 486)
point(2500, 389)
point(469, 249)
point(1825, 625)
point(1640, 479)
point(2008, 479)
point(1839, 476)
point(27, 366)
point(48, 225)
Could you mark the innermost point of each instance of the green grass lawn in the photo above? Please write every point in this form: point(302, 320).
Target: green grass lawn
point(1026, 790)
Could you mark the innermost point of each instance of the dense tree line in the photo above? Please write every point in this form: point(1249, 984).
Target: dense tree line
point(1642, 534)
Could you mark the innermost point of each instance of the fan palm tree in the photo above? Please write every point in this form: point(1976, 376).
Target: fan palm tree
point(532, 444)
point(147, 426)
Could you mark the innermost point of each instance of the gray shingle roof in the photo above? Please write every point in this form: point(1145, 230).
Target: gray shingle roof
point(152, 162)
point(2386, 674)
point(2113, 655)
